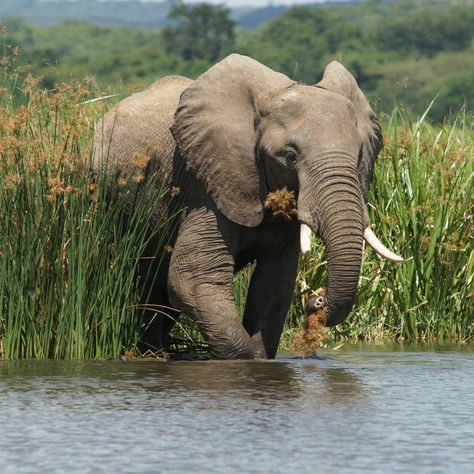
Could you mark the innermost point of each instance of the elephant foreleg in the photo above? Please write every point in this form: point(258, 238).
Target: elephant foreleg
point(200, 284)
point(269, 298)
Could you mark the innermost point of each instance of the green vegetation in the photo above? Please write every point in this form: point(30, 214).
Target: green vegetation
point(68, 258)
point(67, 282)
point(398, 52)
point(422, 205)
point(404, 52)
point(202, 31)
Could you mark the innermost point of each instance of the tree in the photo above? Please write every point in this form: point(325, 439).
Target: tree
point(200, 31)
point(302, 41)
point(427, 32)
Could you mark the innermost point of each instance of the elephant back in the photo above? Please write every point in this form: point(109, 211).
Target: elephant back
point(136, 131)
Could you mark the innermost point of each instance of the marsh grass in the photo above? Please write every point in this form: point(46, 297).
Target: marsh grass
point(422, 206)
point(68, 256)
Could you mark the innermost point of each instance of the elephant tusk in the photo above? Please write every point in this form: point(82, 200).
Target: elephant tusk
point(305, 240)
point(380, 248)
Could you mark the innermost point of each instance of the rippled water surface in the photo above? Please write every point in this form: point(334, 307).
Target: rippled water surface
point(369, 410)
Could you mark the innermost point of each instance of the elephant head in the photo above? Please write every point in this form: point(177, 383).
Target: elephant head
point(246, 130)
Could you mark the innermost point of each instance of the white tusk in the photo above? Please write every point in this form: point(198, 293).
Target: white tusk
point(380, 248)
point(305, 240)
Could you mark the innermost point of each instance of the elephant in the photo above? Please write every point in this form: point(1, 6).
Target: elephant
point(226, 141)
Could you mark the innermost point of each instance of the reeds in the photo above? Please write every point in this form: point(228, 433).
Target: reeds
point(422, 205)
point(68, 257)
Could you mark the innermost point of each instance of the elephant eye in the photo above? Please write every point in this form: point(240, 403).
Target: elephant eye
point(290, 156)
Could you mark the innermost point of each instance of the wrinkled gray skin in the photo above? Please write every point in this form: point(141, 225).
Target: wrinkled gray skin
point(226, 140)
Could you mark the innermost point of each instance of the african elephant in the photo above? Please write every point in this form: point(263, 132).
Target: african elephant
point(227, 140)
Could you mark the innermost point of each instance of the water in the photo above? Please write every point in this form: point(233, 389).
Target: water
point(358, 411)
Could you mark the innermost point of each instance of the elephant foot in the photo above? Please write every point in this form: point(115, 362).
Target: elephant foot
point(246, 348)
point(233, 353)
point(189, 356)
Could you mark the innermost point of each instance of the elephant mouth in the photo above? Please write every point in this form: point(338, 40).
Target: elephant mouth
point(369, 236)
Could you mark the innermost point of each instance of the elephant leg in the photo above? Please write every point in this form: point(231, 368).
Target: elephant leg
point(200, 283)
point(158, 315)
point(158, 321)
point(269, 298)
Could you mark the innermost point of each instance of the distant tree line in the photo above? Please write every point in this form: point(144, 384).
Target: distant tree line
point(404, 51)
point(202, 31)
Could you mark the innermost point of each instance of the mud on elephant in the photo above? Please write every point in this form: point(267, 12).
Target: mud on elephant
point(227, 140)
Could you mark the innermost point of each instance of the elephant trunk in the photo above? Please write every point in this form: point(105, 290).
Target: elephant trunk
point(330, 203)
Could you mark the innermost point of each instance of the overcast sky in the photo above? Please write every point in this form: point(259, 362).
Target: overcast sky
point(233, 3)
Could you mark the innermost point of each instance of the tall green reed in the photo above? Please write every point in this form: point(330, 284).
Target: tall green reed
point(421, 204)
point(68, 256)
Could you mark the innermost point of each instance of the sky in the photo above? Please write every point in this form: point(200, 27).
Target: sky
point(259, 3)
point(236, 3)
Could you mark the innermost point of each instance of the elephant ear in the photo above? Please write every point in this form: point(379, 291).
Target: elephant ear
point(338, 79)
point(215, 128)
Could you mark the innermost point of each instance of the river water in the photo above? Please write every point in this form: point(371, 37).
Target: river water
point(356, 410)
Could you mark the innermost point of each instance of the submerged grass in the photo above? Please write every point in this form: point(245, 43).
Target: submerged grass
point(68, 258)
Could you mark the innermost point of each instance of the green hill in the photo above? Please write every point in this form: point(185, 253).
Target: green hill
point(406, 51)
point(125, 12)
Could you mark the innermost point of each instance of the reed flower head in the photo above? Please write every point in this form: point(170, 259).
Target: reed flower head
point(140, 160)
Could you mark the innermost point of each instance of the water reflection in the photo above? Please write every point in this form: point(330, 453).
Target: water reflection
point(243, 379)
point(276, 380)
point(340, 386)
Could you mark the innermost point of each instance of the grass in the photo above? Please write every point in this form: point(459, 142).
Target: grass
point(421, 205)
point(68, 258)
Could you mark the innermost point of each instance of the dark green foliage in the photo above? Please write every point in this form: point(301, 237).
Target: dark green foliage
point(406, 51)
point(447, 78)
point(298, 42)
point(427, 32)
point(200, 31)
point(115, 56)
